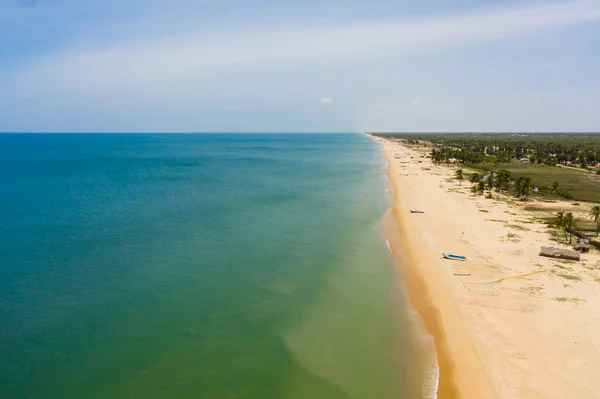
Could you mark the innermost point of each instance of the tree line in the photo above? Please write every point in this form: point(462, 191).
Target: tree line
point(500, 181)
point(503, 179)
point(550, 149)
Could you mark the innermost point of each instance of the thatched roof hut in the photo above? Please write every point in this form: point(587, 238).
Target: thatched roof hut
point(582, 247)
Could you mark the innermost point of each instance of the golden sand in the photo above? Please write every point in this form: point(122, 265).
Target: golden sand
point(499, 322)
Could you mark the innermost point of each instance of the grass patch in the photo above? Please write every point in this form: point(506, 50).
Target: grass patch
point(537, 220)
point(569, 276)
point(496, 220)
point(516, 227)
point(567, 299)
point(567, 261)
point(484, 210)
point(533, 208)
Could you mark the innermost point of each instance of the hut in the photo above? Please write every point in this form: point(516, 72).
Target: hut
point(582, 247)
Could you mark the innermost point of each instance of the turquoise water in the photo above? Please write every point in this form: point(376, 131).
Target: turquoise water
point(198, 266)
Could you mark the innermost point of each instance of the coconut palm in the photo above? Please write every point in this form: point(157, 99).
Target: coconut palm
point(523, 186)
point(480, 187)
point(570, 223)
point(559, 221)
point(595, 214)
point(554, 187)
point(489, 183)
point(503, 178)
point(475, 178)
point(459, 176)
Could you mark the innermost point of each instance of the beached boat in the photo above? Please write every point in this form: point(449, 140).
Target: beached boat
point(416, 211)
point(453, 257)
point(552, 252)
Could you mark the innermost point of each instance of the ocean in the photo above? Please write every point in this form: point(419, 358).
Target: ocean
point(199, 266)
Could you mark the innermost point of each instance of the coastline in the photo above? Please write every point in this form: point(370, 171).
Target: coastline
point(499, 322)
point(427, 295)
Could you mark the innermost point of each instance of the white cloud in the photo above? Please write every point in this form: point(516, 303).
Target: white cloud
point(417, 101)
point(211, 78)
point(130, 65)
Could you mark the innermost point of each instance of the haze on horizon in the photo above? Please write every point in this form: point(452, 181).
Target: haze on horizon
point(299, 65)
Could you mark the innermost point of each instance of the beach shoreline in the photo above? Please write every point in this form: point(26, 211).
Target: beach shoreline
point(397, 229)
point(491, 341)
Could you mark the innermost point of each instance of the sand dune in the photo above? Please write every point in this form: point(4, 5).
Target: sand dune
point(507, 323)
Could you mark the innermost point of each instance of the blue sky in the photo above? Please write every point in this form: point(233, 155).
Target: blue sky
point(299, 65)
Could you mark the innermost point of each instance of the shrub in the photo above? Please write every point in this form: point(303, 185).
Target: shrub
point(565, 194)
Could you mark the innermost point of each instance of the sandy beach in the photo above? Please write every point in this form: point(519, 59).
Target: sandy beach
point(507, 323)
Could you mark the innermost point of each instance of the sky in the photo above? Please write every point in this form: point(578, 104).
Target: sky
point(299, 66)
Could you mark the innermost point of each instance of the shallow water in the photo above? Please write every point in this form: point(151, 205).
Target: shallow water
point(198, 266)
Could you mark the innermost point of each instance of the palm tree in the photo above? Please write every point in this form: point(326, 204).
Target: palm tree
point(474, 189)
point(459, 176)
point(489, 183)
point(523, 186)
point(475, 178)
point(570, 223)
point(526, 187)
point(481, 187)
point(502, 179)
point(560, 222)
point(554, 188)
point(595, 214)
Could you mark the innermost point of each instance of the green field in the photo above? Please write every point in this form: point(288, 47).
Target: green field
point(582, 185)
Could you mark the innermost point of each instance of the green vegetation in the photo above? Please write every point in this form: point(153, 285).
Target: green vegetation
point(566, 222)
point(483, 210)
point(557, 164)
point(595, 215)
point(480, 187)
point(572, 183)
point(459, 176)
point(475, 178)
point(523, 187)
point(569, 276)
point(566, 299)
point(579, 150)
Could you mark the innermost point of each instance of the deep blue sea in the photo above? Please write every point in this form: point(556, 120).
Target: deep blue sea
point(198, 266)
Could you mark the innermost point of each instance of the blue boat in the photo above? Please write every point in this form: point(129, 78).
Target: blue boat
point(453, 257)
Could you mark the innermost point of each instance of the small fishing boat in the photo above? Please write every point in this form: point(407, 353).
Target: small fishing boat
point(416, 211)
point(453, 257)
